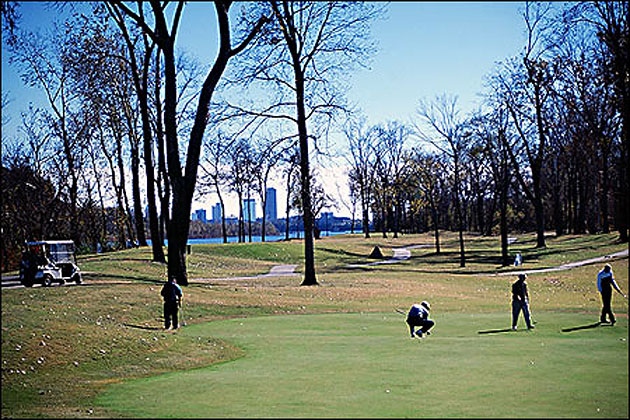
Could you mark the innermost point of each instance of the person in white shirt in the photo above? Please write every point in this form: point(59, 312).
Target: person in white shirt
point(605, 283)
point(518, 260)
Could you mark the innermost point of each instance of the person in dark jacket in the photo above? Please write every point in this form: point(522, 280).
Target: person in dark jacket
point(605, 283)
point(418, 316)
point(172, 295)
point(520, 301)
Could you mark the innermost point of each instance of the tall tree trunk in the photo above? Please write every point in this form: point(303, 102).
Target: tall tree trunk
point(436, 227)
point(263, 229)
point(249, 215)
point(309, 252)
point(460, 218)
point(156, 242)
point(504, 233)
point(286, 238)
point(138, 214)
point(165, 194)
point(223, 227)
point(605, 188)
point(365, 206)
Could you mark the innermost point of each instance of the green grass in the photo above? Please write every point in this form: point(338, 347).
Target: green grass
point(118, 311)
point(364, 365)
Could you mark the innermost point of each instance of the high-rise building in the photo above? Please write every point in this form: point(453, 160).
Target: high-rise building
point(216, 213)
point(271, 208)
point(249, 209)
point(200, 215)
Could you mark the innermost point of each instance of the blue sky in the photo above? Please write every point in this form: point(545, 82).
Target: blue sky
point(424, 49)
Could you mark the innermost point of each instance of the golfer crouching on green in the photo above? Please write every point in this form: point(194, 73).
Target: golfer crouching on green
point(418, 316)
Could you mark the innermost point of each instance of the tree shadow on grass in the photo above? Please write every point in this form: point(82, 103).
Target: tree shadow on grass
point(341, 252)
point(504, 330)
point(122, 277)
point(142, 327)
point(586, 327)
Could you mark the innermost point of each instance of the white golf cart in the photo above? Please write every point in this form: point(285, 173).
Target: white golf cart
point(46, 262)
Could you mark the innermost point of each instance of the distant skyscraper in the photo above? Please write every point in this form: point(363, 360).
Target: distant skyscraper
point(200, 215)
point(271, 209)
point(216, 213)
point(249, 209)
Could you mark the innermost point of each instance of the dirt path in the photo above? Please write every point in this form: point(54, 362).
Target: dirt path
point(276, 271)
point(567, 266)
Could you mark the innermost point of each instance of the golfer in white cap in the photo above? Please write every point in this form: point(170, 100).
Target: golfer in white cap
point(418, 316)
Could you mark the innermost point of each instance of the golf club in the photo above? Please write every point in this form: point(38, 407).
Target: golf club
point(181, 312)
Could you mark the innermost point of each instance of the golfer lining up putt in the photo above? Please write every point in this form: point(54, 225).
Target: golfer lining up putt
point(418, 316)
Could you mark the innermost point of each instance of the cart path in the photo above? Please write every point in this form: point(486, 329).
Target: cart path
point(567, 266)
point(285, 270)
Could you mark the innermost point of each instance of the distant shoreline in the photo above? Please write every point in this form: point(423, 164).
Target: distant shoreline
point(255, 238)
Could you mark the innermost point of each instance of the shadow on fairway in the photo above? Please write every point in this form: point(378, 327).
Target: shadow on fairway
point(504, 330)
point(586, 327)
point(142, 327)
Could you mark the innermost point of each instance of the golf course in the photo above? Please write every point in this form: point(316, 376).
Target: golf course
point(253, 345)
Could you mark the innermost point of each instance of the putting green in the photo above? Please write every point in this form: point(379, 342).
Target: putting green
point(365, 365)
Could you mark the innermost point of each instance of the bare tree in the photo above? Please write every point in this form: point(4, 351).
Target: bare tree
point(267, 157)
point(445, 132)
point(183, 181)
point(304, 55)
point(140, 76)
point(526, 86)
point(361, 160)
point(291, 163)
point(40, 58)
point(215, 172)
point(429, 175)
point(609, 23)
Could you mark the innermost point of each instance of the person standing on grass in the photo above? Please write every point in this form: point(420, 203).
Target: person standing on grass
point(172, 295)
point(605, 283)
point(518, 260)
point(418, 316)
point(520, 302)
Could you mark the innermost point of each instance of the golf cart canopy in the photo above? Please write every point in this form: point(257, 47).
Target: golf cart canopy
point(64, 242)
point(58, 251)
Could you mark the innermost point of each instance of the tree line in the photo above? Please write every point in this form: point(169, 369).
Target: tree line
point(132, 121)
point(547, 150)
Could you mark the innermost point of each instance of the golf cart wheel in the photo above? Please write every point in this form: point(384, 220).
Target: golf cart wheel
point(77, 278)
point(47, 280)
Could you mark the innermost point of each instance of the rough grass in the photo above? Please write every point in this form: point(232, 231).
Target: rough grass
point(61, 346)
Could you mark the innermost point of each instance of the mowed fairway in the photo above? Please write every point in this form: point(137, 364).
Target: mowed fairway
point(365, 365)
